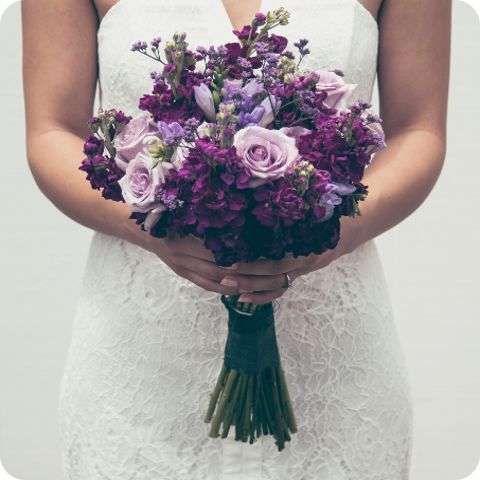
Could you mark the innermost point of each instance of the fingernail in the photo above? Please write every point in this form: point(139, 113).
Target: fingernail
point(233, 267)
point(229, 282)
point(244, 298)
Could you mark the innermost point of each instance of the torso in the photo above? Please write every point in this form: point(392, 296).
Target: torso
point(147, 344)
point(237, 16)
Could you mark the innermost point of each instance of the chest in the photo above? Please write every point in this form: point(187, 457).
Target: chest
point(342, 35)
point(238, 13)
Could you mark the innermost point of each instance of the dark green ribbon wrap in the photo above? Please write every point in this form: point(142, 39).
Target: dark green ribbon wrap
point(251, 343)
point(251, 392)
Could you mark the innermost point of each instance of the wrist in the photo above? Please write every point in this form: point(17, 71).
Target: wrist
point(133, 233)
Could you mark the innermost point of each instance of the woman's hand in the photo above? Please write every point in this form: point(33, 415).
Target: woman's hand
point(257, 282)
point(264, 280)
point(189, 259)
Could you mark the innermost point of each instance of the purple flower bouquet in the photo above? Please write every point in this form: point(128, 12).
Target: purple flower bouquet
point(241, 148)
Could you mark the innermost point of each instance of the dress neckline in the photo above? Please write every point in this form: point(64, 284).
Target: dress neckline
point(116, 7)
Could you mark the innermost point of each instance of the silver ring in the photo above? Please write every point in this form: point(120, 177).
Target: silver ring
point(288, 281)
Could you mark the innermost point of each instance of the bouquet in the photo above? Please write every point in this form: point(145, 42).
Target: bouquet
point(240, 147)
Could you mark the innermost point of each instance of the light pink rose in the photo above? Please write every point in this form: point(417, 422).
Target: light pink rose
point(267, 154)
point(339, 92)
point(130, 141)
point(143, 176)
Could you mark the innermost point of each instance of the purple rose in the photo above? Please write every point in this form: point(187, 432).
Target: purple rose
point(204, 99)
point(337, 90)
point(130, 141)
point(266, 154)
point(142, 178)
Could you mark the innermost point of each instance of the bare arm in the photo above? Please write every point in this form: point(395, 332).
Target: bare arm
point(413, 73)
point(60, 75)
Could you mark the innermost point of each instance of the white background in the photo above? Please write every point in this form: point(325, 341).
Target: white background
point(431, 261)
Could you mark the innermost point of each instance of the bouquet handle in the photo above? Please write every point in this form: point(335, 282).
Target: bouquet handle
point(251, 392)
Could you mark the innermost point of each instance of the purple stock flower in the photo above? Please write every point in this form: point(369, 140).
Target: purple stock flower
point(139, 46)
point(251, 118)
point(93, 145)
point(170, 133)
point(103, 174)
point(260, 19)
point(155, 43)
point(277, 43)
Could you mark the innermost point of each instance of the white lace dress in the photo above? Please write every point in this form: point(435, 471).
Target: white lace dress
point(147, 346)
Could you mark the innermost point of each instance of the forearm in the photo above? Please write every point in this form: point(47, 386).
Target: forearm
point(399, 179)
point(54, 157)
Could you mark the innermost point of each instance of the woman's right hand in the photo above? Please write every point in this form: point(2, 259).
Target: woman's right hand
point(189, 258)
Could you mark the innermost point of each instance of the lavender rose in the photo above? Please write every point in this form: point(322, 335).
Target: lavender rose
point(337, 90)
point(130, 141)
point(267, 154)
point(142, 178)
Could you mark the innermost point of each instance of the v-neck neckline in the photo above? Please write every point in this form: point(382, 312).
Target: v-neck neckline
point(227, 19)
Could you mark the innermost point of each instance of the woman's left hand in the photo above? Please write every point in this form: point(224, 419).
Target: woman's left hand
point(264, 280)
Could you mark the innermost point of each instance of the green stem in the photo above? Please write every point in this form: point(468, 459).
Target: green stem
point(257, 418)
point(231, 407)
point(247, 414)
point(292, 424)
point(268, 417)
point(216, 392)
point(253, 423)
point(239, 410)
point(217, 418)
point(277, 410)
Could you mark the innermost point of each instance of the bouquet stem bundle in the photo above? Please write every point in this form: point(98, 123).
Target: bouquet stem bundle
point(251, 392)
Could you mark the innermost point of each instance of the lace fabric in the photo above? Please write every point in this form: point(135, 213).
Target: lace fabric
point(147, 345)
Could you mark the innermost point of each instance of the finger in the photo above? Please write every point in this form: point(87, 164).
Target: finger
point(188, 246)
point(203, 267)
point(267, 267)
point(252, 283)
point(203, 282)
point(261, 297)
